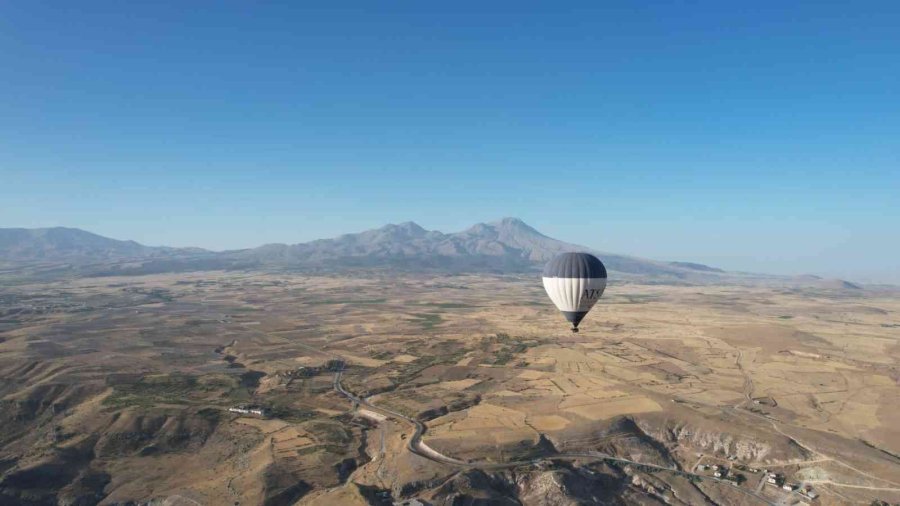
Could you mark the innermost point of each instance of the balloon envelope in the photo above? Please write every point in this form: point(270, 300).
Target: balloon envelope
point(574, 282)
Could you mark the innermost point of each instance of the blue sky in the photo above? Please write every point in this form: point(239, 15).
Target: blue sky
point(762, 137)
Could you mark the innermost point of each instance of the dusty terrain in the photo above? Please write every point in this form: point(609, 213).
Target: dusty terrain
point(376, 389)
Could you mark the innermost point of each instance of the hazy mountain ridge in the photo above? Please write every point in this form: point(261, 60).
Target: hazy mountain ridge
point(62, 243)
point(505, 246)
point(65, 243)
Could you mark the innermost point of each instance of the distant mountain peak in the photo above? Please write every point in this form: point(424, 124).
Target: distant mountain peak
point(515, 224)
point(504, 226)
point(510, 221)
point(411, 225)
point(410, 228)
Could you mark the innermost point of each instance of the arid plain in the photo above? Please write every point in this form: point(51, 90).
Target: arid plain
point(376, 389)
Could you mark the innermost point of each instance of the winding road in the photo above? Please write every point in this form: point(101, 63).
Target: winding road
point(420, 448)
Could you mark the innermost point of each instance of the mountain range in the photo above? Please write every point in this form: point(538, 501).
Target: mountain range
point(505, 246)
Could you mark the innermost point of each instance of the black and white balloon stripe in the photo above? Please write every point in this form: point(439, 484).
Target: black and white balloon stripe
point(574, 282)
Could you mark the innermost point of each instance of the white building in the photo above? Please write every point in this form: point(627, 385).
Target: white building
point(248, 411)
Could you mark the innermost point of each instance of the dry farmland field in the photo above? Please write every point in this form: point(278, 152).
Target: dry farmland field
point(373, 389)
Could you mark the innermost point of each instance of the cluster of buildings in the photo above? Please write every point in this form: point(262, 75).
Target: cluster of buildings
point(723, 472)
point(715, 467)
point(248, 410)
point(808, 492)
point(776, 479)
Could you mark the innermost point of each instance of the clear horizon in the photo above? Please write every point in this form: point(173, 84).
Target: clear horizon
point(761, 140)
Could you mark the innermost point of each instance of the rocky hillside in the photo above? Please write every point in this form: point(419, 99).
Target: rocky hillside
point(72, 244)
point(505, 246)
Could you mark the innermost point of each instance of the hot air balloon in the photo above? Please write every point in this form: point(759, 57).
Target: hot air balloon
point(574, 282)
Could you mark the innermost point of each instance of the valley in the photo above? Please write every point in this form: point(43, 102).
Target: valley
point(377, 388)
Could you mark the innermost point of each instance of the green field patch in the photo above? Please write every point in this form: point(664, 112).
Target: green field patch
point(211, 415)
point(428, 359)
point(427, 320)
point(290, 413)
point(180, 389)
point(328, 432)
point(501, 348)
